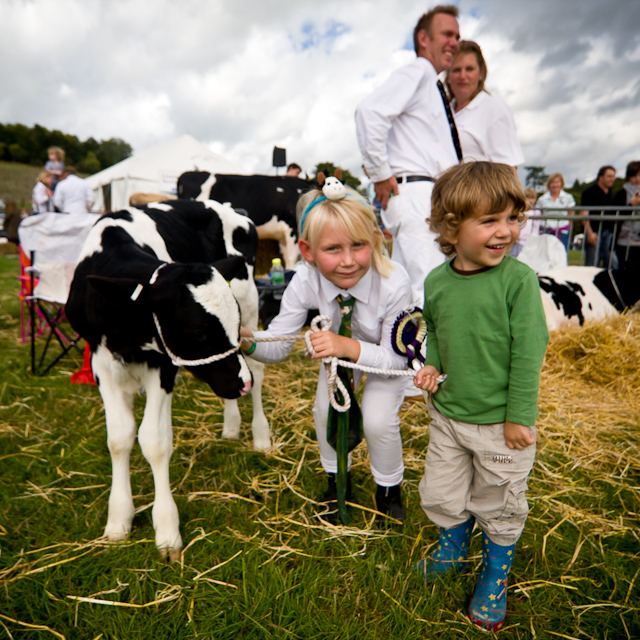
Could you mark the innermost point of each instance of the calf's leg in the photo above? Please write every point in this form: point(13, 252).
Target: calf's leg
point(156, 441)
point(121, 434)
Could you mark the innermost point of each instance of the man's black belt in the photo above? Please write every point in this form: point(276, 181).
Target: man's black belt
point(402, 179)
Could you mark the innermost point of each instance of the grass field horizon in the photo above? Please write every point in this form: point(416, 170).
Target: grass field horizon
point(257, 562)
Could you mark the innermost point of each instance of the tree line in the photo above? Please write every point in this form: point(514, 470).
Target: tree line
point(19, 143)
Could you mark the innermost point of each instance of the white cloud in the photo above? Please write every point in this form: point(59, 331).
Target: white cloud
point(244, 76)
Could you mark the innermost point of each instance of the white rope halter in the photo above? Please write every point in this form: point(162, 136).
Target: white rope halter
point(319, 323)
point(323, 323)
point(177, 360)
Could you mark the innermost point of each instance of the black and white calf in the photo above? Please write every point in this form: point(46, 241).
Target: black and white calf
point(575, 295)
point(154, 289)
point(270, 201)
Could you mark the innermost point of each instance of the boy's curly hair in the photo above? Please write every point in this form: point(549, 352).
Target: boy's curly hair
point(473, 189)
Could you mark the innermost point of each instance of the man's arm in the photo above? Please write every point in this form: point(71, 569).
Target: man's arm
point(58, 197)
point(90, 198)
point(374, 118)
point(590, 236)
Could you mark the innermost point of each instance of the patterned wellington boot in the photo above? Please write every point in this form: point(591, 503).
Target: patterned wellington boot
point(488, 606)
point(389, 502)
point(451, 554)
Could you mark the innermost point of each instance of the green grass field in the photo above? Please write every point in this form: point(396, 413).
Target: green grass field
point(17, 181)
point(258, 564)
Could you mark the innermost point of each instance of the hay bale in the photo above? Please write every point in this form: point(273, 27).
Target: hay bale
point(604, 353)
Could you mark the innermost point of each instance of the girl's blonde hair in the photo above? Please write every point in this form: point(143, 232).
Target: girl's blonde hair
point(42, 176)
point(353, 214)
point(58, 152)
point(473, 189)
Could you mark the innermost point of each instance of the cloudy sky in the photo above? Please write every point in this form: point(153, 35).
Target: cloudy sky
point(243, 76)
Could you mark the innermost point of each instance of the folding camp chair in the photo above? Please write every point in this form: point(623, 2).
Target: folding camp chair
point(53, 242)
point(26, 290)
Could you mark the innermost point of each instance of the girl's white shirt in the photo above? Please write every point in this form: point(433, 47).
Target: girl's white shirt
point(379, 301)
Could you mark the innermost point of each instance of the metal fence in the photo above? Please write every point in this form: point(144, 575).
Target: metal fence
point(605, 244)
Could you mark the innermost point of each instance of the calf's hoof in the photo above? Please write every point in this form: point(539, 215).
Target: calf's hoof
point(116, 532)
point(171, 554)
point(262, 445)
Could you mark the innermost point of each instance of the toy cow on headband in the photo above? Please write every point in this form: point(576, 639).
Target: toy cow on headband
point(332, 187)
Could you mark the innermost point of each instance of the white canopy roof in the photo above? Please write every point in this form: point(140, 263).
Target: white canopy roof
point(155, 170)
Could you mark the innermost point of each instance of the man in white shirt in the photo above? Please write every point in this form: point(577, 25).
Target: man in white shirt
point(406, 142)
point(72, 194)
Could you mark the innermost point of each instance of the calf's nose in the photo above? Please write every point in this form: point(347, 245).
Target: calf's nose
point(246, 389)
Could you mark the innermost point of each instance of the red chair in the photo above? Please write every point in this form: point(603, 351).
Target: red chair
point(26, 292)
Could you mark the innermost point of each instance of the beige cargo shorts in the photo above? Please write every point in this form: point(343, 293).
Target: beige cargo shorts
point(470, 471)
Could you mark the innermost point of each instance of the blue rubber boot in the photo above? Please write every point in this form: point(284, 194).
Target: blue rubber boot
point(488, 606)
point(451, 554)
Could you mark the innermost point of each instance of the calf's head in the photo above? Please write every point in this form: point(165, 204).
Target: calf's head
point(195, 319)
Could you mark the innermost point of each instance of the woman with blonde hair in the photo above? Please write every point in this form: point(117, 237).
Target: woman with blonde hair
point(555, 195)
point(42, 195)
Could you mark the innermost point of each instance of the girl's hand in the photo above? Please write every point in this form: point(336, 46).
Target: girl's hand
point(427, 379)
point(245, 333)
point(517, 436)
point(327, 344)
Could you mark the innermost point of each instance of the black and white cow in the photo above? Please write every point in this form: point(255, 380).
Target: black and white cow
point(575, 295)
point(270, 201)
point(154, 289)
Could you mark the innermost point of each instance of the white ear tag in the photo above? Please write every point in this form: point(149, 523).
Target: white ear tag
point(136, 292)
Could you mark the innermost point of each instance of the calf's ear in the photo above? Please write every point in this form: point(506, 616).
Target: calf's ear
point(114, 289)
point(232, 267)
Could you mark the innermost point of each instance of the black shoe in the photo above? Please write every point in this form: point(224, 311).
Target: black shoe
point(389, 502)
point(330, 498)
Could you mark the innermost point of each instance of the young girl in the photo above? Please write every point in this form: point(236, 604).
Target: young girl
point(343, 252)
point(55, 163)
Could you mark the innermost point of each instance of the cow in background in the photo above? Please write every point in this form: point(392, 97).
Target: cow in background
point(154, 289)
point(270, 202)
point(575, 295)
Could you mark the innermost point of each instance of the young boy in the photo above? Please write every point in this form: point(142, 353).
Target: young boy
point(487, 332)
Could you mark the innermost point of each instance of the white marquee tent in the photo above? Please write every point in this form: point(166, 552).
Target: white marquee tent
point(155, 170)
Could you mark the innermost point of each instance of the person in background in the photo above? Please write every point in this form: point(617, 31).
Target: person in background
point(376, 206)
point(12, 220)
point(485, 123)
point(555, 195)
point(55, 163)
point(488, 333)
point(599, 194)
point(407, 139)
point(293, 170)
point(42, 195)
point(628, 243)
point(73, 194)
point(531, 226)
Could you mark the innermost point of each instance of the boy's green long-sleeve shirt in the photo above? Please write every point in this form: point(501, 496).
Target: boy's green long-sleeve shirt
point(487, 331)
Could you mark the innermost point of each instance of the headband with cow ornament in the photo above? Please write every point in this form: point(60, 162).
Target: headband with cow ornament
point(332, 189)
